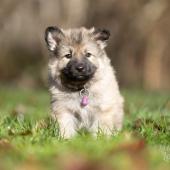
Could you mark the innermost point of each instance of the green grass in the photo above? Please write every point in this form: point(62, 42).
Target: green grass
point(29, 138)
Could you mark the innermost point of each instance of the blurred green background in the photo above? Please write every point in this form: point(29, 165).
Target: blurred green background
point(138, 47)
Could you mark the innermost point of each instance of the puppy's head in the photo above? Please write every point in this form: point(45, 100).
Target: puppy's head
point(76, 53)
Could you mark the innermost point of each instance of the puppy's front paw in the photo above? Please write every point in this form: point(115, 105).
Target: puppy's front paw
point(67, 125)
point(67, 133)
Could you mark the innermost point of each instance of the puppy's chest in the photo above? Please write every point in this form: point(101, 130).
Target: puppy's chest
point(85, 114)
point(83, 103)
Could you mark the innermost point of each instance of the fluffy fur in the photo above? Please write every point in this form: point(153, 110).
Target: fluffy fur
point(105, 109)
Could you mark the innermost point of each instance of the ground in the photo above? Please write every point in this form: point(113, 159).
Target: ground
point(29, 138)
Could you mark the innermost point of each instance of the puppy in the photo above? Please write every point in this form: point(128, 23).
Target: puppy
point(84, 90)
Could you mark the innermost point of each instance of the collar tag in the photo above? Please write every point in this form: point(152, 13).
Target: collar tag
point(84, 93)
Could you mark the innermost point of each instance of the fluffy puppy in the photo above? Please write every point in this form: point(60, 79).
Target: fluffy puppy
point(84, 90)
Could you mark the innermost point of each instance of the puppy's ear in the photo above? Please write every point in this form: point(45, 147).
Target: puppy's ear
point(53, 36)
point(101, 36)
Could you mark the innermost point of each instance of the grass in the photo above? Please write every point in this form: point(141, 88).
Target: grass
point(29, 138)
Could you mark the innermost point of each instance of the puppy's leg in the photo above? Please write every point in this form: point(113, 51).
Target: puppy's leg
point(118, 120)
point(67, 125)
point(103, 126)
point(108, 122)
point(94, 129)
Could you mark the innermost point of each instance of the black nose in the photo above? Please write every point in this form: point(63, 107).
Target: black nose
point(80, 67)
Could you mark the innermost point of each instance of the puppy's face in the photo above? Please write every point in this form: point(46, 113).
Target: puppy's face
point(76, 54)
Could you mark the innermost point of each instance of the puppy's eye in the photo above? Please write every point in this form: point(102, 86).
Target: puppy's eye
point(88, 54)
point(68, 55)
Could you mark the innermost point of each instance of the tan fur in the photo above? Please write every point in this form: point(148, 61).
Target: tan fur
point(105, 109)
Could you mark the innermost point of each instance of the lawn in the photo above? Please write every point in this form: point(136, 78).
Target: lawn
point(29, 138)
